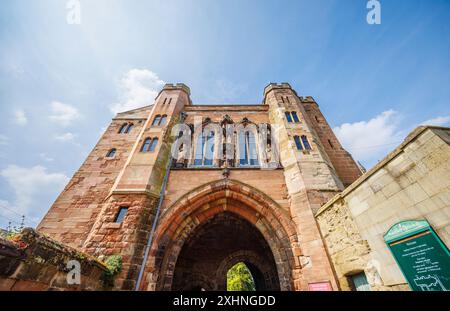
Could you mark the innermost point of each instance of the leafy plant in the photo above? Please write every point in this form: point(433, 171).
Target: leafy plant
point(114, 266)
point(239, 278)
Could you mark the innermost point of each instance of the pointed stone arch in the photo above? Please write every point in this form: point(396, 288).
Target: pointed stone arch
point(182, 218)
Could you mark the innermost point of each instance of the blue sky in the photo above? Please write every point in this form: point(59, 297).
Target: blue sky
point(59, 83)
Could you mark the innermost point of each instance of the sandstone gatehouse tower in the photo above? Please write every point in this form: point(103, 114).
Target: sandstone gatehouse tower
point(219, 202)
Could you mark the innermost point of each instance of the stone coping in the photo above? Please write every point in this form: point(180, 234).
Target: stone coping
point(411, 137)
point(28, 241)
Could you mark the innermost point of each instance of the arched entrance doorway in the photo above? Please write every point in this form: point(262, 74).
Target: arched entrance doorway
point(248, 226)
point(217, 245)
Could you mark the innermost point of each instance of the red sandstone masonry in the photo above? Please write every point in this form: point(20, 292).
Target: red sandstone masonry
point(346, 168)
point(279, 203)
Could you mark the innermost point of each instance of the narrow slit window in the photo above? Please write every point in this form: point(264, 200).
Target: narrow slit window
point(111, 153)
point(331, 144)
point(156, 120)
point(146, 145)
point(306, 142)
point(298, 143)
point(295, 117)
point(288, 116)
point(123, 128)
point(129, 128)
point(120, 217)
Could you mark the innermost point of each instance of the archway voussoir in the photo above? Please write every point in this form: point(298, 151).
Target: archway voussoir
point(180, 221)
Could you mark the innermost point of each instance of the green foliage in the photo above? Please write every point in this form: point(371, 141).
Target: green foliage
point(114, 265)
point(239, 278)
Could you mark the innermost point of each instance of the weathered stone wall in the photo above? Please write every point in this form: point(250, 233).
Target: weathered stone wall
point(308, 174)
point(137, 188)
point(73, 214)
point(411, 183)
point(33, 262)
point(281, 203)
point(346, 168)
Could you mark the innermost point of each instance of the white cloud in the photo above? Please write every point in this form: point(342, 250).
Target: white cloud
point(20, 118)
point(369, 141)
point(63, 114)
point(66, 137)
point(45, 157)
point(30, 185)
point(437, 121)
point(4, 140)
point(139, 87)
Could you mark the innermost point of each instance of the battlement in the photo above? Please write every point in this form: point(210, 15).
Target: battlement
point(177, 86)
point(307, 99)
point(272, 86)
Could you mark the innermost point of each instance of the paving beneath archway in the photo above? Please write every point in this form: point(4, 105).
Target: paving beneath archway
point(217, 245)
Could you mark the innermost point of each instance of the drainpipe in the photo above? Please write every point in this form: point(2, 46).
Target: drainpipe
point(155, 221)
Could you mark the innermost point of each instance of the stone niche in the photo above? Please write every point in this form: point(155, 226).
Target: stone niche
point(32, 261)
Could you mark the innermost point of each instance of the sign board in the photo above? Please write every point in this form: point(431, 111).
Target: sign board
point(320, 287)
point(421, 255)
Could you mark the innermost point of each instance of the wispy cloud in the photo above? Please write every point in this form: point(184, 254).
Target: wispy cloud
point(29, 183)
point(20, 118)
point(45, 157)
point(66, 137)
point(437, 121)
point(63, 114)
point(138, 88)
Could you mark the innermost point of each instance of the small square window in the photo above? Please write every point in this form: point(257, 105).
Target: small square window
point(121, 215)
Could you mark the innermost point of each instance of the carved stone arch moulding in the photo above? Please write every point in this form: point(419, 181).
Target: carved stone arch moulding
point(181, 219)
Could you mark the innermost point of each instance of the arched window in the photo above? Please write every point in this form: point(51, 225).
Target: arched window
point(163, 120)
point(129, 128)
point(247, 149)
point(146, 145)
point(204, 151)
point(288, 116)
point(295, 117)
point(153, 144)
point(156, 120)
point(209, 149)
point(298, 143)
point(123, 128)
point(149, 145)
point(306, 143)
point(111, 153)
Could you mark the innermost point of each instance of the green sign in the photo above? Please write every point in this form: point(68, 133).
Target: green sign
point(421, 255)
